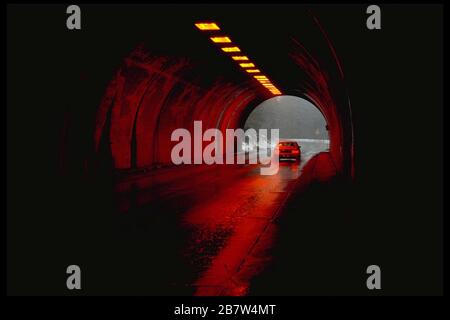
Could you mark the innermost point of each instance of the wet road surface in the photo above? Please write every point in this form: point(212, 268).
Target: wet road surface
point(211, 226)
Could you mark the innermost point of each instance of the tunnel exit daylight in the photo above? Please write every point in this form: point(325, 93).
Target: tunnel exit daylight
point(297, 120)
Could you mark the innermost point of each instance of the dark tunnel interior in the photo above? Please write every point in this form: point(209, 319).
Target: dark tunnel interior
point(93, 117)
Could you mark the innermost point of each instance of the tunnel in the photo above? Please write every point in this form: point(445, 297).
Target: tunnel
point(161, 83)
point(150, 95)
point(200, 222)
point(91, 181)
point(182, 229)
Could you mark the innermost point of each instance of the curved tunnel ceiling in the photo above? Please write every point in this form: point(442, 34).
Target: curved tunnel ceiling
point(171, 79)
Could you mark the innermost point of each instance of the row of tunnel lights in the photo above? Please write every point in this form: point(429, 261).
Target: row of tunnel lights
point(236, 55)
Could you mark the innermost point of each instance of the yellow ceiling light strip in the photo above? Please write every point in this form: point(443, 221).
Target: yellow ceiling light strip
point(239, 58)
point(207, 26)
point(247, 65)
point(220, 39)
point(229, 47)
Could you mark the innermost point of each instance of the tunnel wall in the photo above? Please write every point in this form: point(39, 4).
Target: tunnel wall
point(149, 97)
point(324, 86)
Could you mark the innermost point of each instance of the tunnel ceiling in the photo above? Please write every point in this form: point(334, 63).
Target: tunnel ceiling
point(169, 32)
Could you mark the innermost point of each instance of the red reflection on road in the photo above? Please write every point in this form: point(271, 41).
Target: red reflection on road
point(227, 213)
point(229, 227)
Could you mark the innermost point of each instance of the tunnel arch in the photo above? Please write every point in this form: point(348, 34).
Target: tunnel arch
point(149, 98)
point(152, 95)
point(335, 129)
point(293, 99)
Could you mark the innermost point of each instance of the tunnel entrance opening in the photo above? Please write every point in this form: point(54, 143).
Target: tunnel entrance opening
point(297, 119)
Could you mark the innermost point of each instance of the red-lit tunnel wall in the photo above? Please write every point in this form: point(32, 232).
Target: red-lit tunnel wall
point(150, 97)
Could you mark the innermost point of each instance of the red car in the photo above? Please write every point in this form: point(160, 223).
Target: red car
point(289, 150)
